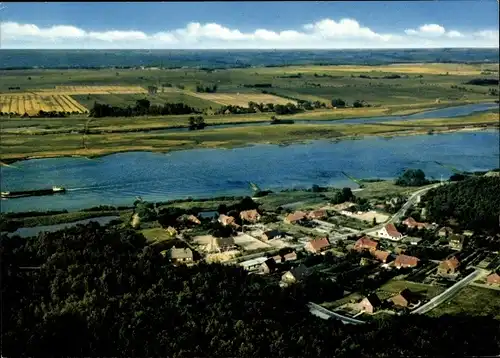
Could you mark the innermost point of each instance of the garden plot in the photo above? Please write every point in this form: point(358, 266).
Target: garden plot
point(248, 243)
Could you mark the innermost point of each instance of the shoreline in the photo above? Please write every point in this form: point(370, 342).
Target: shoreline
point(389, 134)
point(305, 117)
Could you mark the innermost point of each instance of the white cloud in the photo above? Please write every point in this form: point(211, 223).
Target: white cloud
point(325, 33)
point(345, 28)
point(112, 36)
point(427, 30)
point(454, 33)
point(488, 34)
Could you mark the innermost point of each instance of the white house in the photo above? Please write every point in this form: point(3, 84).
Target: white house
point(390, 232)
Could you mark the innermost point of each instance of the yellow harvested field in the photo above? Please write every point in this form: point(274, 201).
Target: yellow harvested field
point(241, 99)
point(415, 68)
point(31, 104)
point(74, 90)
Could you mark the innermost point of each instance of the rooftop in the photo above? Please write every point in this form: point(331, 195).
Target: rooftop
point(253, 262)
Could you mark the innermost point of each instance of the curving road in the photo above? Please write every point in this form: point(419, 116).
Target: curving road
point(411, 200)
point(447, 294)
point(322, 312)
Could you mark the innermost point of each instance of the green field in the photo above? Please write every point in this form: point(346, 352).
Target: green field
point(420, 87)
point(393, 287)
point(418, 84)
point(160, 98)
point(155, 235)
point(23, 144)
point(471, 300)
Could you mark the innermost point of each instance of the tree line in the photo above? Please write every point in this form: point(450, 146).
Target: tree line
point(94, 291)
point(206, 89)
point(141, 108)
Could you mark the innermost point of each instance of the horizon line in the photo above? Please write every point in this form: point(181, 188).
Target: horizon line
point(253, 49)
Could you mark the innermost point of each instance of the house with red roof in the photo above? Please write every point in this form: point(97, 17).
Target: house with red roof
point(448, 267)
point(390, 232)
point(317, 214)
point(291, 256)
point(295, 217)
point(404, 261)
point(251, 216)
point(369, 304)
point(228, 221)
point(412, 223)
point(403, 298)
point(382, 256)
point(493, 279)
point(316, 246)
point(365, 243)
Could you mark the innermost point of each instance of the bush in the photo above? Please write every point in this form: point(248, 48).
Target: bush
point(412, 177)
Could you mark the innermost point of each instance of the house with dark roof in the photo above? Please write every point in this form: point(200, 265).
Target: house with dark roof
point(316, 246)
point(448, 267)
point(295, 274)
point(390, 232)
point(404, 261)
point(268, 266)
point(272, 234)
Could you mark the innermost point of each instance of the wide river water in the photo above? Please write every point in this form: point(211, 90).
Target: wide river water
point(119, 178)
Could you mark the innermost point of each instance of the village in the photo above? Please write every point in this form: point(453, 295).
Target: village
point(393, 265)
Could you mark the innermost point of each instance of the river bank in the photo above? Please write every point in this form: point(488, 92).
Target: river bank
point(24, 147)
point(118, 179)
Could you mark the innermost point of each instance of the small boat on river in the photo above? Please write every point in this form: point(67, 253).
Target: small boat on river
point(37, 192)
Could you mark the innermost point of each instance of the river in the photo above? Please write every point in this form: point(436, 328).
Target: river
point(119, 178)
point(450, 112)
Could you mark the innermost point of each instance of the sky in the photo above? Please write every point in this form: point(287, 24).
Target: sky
point(250, 25)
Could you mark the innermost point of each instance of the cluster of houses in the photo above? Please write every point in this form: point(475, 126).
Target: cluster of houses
point(405, 299)
point(385, 257)
point(300, 216)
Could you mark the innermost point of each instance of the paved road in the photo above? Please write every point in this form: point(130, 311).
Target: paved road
point(411, 201)
point(394, 218)
point(322, 312)
point(447, 294)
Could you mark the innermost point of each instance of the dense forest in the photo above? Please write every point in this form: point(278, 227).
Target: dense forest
point(96, 291)
point(473, 203)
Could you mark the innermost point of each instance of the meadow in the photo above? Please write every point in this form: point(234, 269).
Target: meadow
point(383, 86)
point(471, 300)
point(26, 143)
point(385, 90)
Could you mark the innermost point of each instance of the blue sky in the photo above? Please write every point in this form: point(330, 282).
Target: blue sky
point(251, 24)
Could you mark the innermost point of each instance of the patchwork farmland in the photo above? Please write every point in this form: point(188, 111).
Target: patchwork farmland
point(241, 99)
point(73, 90)
point(31, 104)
